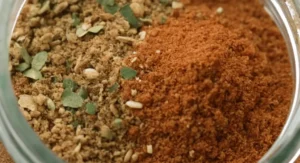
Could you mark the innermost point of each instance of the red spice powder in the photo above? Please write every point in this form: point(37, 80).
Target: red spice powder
point(215, 87)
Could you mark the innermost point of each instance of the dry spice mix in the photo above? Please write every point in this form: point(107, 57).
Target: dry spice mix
point(151, 80)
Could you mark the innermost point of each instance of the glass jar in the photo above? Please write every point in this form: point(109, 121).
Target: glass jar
point(25, 146)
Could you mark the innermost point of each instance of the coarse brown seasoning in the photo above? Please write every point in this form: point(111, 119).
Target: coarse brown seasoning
point(92, 61)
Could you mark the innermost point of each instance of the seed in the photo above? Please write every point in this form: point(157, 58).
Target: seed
point(91, 73)
point(133, 92)
point(177, 5)
point(192, 153)
point(219, 10)
point(135, 157)
point(133, 59)
point(117, 153)
point(149, 149)
point(125, 39)
point(114, 110)
point(142, 35)
point(106, 132)
point(128, 155)
point(50, 104)
point(77, 148)
point(134, 105)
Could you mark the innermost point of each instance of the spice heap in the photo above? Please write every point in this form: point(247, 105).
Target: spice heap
point(214, 85)
point(65, 60)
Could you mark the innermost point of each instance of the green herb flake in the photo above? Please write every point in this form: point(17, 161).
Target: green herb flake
point(53, 79)
point(72, 110)
point(39, 60)
point(68, 65)
point(76, 20)
point(75, 123)
point(27, 58)
point(128, 73)
point(22, 67)
point(96, 29)
point(41, 1)
point(110, 2)
point(91, 108)
point(117, 123)
point(113, 88)
point(111, 9)
point(163, 20)
point(109, 6)
point(71, 99)
point(33, 74)
point(164, 2)
point(80, 32)
point(128, 14)
point(69, 84)
point(83, 93)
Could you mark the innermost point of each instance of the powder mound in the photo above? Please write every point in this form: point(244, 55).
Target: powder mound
point(210, 94)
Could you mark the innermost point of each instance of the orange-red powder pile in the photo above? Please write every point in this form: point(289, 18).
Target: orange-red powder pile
point(215, 87)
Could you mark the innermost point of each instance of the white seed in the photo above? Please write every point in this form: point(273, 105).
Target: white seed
point(133, 92)
point(192, 153)
point(128, 155)
point(78, 63)
point(125, 39)
point(220, 10)
point(114, 110)
point(142, 35)
point(177, 5)
point(133, 59)
point(149, 149)
point(134, 104)
point(78, 130)
point(91, 73)
point(77, 148)
point(157, 51)
point(117, 153)
point(134, 157)
point(26, 101)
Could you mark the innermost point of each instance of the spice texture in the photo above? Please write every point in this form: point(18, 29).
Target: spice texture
point(214, 82)
point(65, 61)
